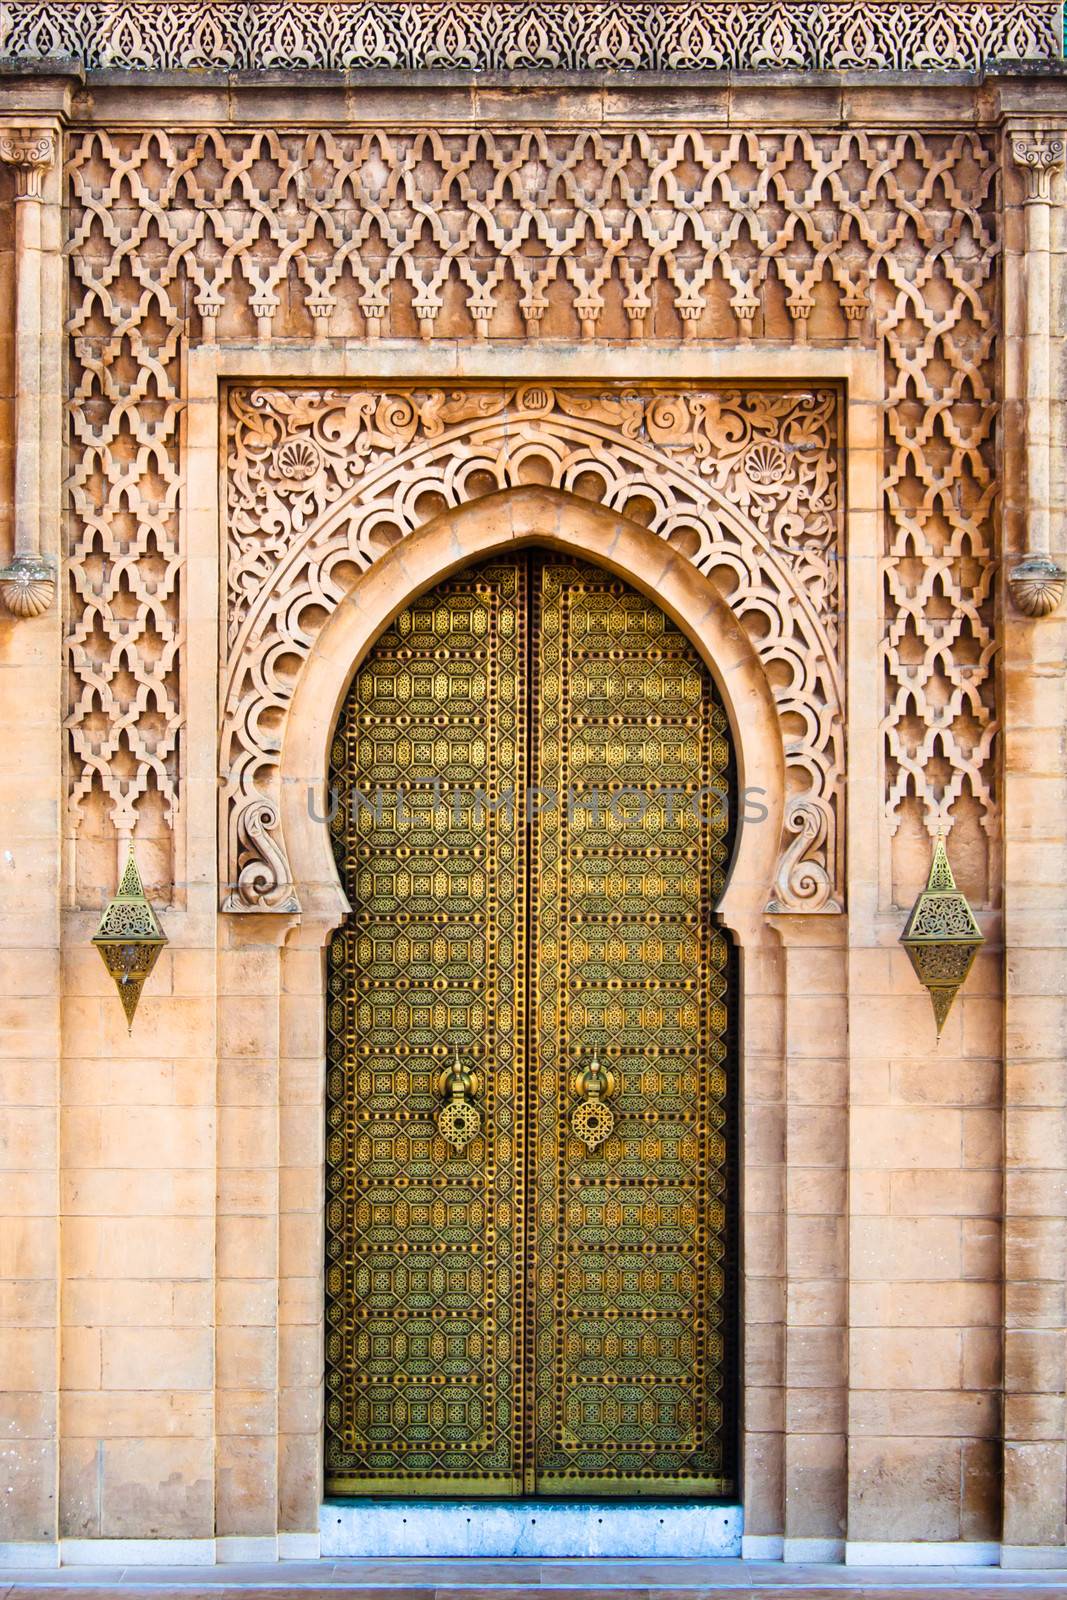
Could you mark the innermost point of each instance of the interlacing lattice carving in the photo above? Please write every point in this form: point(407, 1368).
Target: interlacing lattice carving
point(746, 484)
point(508, 35)
point(527, 234)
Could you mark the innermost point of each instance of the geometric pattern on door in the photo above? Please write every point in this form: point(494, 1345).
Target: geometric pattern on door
point(532, 807)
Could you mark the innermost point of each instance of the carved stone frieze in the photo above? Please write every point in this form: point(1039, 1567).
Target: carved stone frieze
point(744, 483)
point(524, 35)
point(524, 235)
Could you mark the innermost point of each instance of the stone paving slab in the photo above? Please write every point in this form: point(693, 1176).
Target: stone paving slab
point(133, 1588)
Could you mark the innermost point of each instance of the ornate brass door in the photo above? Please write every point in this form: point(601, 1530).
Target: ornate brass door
point(529, 1081)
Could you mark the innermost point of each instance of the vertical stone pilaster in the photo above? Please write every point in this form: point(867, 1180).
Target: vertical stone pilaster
point(762, 1205)
point(301, 1293)
point(27, 584)
point(1036, 581)
point(247, 1241)
point(31, 797)
point(816, 1235)
point(1035, 859)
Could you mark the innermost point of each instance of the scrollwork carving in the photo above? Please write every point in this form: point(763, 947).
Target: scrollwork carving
point(802, 882)
point(1039, 156)
point(261, 879)
point(31, 151)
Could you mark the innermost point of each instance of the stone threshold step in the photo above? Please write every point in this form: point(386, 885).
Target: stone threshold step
point(582, 1580)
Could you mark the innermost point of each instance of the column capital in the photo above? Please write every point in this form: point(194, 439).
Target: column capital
point(31, 151)
point(1039, 155)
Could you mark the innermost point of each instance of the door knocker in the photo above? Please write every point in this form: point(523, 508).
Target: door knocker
point(458, 1120)
point(593, 1119)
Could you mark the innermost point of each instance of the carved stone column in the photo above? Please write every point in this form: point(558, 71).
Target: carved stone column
point(815, 968)
point(32, 707)
point(1037, 582)
point(1035, 868)
point(28, 584)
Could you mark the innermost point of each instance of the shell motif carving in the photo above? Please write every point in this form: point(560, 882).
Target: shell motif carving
point(28, 587)
point(1037, 585)
point(296, 461)
point(766, 464)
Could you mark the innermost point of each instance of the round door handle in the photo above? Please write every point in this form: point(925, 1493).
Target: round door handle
point(458, 1120)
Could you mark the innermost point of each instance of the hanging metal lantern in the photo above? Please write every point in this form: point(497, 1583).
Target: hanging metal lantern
point(129, 938)
point(942, 936)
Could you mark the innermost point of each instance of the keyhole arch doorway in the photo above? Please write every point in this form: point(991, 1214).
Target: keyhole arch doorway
point(532, 1050)
point(559, 521)
point(507, 522)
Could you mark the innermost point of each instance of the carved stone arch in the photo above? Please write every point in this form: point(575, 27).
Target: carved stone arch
point(454, 540)
point(741, 484)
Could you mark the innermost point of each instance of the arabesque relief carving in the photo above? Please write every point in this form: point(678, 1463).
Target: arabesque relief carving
point(746, 484)
point(535, 235)
point(509, 35)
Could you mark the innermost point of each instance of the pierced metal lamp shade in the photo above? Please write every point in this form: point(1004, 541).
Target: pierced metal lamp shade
point(942, 936)
point(129, 938)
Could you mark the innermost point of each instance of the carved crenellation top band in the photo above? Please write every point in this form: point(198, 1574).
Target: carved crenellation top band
point(528, 35)
point(30, 151)
point(1039, 155)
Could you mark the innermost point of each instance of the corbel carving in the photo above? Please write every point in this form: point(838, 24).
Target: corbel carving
point(1037, 585)
point(28, 583)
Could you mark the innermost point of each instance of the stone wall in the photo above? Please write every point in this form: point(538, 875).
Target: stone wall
point(620, 276)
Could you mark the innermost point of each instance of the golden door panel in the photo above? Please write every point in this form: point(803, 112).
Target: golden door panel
point(627, 1254)
point(530, 1011)
point(424, 1309)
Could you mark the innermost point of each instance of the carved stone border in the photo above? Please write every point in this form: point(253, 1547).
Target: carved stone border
point(524, 35)
point(745, 483)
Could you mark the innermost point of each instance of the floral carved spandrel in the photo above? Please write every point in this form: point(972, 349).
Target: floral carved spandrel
point(535, 235)
point(746, 484)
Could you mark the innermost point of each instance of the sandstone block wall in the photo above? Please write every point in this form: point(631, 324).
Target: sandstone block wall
point(274, 246)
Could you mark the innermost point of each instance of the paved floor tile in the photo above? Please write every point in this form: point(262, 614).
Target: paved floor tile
point(530, 1579)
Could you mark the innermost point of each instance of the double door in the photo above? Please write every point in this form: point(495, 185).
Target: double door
point(530, 1016)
